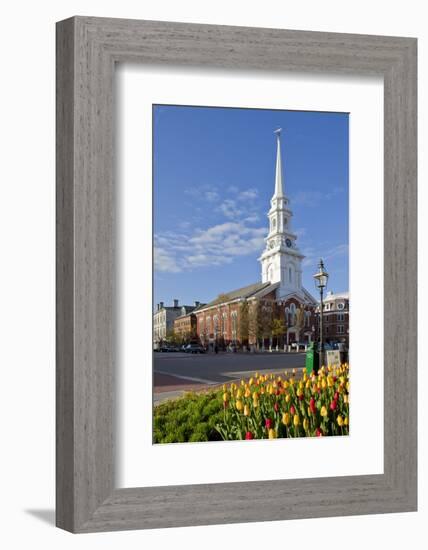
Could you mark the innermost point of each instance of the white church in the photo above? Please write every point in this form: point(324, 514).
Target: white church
point(280, 287)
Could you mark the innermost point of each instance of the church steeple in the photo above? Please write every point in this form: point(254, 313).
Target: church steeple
point(281, 260)
point(279, 190)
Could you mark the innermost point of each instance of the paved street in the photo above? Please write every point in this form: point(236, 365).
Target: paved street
point(175, 373)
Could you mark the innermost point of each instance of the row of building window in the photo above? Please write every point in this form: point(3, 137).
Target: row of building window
point(340, 329)
point(337, 317)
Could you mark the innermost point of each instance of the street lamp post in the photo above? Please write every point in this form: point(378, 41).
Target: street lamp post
point(321, 280)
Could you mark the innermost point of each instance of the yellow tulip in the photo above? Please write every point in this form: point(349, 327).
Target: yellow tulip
point(296, 420)
point(323, 384)
point(305, 424)
point(225, 396)
point(340, 420)
point(239, 405)
point(346, 399)
point(272, 434)
point(242, 382)
point(256, 375)
point(286, 384)
point(323, 411)
point(247, 392)
point(308, 384)
point(224, 387)
point(346, 421)
point(246, 410)
point(239, 394)
point(286, 418)
point(299, 392)
point(251, 382)
point(287, 398)
point(255, 403)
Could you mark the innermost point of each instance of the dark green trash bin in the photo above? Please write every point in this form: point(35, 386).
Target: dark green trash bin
point(312, 359)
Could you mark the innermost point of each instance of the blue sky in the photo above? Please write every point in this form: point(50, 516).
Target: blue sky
point(213, 176)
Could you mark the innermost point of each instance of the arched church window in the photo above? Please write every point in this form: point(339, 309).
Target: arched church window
point(292, 314)
point(287, 316)
point(290, 274)
point(285, 222)
point(224, 327)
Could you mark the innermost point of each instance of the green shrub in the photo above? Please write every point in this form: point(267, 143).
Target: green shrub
point(190, 418)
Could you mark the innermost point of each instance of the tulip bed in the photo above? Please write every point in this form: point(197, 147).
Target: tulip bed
point(263, 407)
point(268, 406)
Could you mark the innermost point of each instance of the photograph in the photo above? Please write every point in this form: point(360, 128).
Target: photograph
point(251, 297)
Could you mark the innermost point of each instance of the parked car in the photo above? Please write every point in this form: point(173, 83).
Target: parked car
point(167, 348)
point(194, 348)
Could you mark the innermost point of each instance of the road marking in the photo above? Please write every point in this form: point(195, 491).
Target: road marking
point(190, 378)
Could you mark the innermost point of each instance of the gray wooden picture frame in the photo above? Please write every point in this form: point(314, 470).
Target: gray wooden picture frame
point(87, 50)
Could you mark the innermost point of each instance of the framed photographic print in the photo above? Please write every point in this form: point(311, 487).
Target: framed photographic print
point(236, 274)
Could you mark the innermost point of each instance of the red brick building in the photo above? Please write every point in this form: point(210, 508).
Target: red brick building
point(253, 317)
point(336, 317)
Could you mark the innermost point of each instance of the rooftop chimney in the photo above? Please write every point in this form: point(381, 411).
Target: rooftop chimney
point(175, 303)
point(197, 303)
point(157, 307)
point(160, 305)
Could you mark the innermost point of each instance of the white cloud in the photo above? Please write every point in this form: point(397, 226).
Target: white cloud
point(312, 256)
point(315, 198)
point(250, 194)
point(211, 196)
point(165, 261)
point(217, 245)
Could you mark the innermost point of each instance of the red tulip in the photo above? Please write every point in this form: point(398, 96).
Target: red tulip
point(276, 407)
point(268, 423)
point(278, 392)
point(301, 397)
point(333, 405)
point(336, 396)
point(319, 432)
point(292, 410)
point(249, 435)
point(312, 405)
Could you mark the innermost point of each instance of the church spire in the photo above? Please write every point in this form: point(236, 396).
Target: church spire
point(279, 191)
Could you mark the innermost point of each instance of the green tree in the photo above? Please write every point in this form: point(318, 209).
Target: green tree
point(300, 321)
point(244, 322)
point(278, 329)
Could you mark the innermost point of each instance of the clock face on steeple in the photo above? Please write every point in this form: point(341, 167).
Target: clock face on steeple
point(288, 243)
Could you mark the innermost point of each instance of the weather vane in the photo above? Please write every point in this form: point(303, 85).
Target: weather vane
point(277, 132)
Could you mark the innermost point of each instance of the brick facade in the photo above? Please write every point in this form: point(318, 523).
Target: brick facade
point(221, 324)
